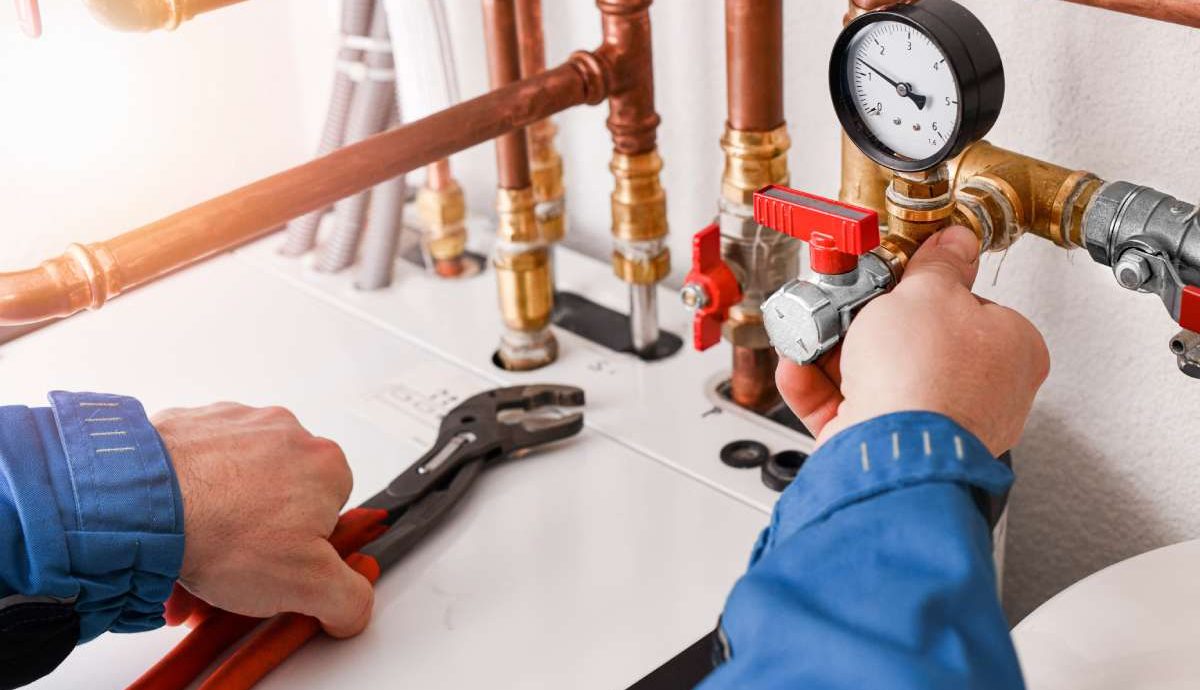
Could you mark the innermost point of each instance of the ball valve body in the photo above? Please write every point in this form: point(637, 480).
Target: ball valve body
point(807, 318)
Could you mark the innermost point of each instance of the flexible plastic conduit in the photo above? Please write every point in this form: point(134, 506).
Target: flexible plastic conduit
point(356, 19)
point(374, 101)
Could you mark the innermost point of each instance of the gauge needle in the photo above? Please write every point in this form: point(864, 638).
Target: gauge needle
point(905, 90)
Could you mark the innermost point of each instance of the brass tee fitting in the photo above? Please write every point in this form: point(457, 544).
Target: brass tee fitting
point(526, 292)
point(639, 212)
point(918, 205)
point(1002, 194)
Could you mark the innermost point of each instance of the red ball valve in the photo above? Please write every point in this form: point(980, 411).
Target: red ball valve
point(836, 233)
point(710, 289)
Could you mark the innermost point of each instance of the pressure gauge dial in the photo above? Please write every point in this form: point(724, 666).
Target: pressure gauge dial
point(913, 85)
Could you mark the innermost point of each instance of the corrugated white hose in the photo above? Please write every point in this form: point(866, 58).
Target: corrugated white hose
point(445, 50)
point(385, 222)
point(374, 100)
point(301, 233)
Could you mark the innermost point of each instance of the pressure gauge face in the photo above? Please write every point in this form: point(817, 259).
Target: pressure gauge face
point(916, 84)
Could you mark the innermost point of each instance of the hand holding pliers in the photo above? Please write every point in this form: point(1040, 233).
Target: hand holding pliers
point(484, 429)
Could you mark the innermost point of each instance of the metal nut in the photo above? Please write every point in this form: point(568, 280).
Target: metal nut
point(1133, 271)
point(694, 296)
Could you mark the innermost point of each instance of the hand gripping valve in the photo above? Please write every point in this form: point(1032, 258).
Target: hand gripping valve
point(807, 318)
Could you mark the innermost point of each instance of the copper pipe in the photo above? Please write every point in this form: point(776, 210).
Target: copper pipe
point(752, 385)
point(626, 47)
point(437, 175)
point(545, 163)
point(639, 207)
point(1186, 12)
point(754, 73)
point(504, 67)
point(148, 15)
point(87, 276)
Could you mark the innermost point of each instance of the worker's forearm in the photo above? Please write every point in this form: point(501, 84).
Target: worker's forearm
point(91, 527)
point(876, 570)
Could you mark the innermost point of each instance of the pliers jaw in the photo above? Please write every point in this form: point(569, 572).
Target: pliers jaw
point(487, 427)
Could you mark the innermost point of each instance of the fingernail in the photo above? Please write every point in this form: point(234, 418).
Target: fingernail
point(961, 242)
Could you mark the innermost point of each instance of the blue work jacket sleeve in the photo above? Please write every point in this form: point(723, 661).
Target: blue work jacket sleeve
point(91, 515)
point(876, 570)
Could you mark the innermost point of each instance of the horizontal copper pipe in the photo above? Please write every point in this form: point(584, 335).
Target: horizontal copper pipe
point(149, 15)
point(86, 276)
point(1186, 12)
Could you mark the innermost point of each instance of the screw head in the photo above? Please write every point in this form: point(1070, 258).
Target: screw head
point(694, 296)
point(1133, 271)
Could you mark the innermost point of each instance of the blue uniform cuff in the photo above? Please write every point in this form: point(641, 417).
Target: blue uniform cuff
point(121, 511)
point(880, 455)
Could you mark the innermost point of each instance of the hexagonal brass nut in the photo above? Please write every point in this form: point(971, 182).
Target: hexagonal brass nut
point(920, 189)
point(646, 272)
point(746, 333)
point(441, 208)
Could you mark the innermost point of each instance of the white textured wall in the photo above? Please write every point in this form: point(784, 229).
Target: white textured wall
point(102, 131)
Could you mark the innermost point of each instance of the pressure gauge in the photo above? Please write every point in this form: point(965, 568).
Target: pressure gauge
point(915, 84)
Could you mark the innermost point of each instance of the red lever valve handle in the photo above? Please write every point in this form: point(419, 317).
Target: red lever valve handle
point(836, 233)
point(711, 288)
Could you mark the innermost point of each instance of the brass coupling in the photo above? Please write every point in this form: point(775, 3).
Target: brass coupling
point(1002, 195)
point(753, 160)
point(524, 284)
point(639, 213)
point(546, 171)
point(918, 205)
point(443, 213)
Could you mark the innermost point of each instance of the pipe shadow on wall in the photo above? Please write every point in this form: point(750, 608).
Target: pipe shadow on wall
point(1070, 516)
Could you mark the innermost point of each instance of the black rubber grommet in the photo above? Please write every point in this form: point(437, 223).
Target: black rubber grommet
point(744, 455)
point(781, 468)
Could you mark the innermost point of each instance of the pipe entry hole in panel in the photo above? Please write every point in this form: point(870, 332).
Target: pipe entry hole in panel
point(780, 414)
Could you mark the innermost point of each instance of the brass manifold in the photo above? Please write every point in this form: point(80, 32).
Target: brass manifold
point(999, 194)
point(639, 217)
point(546, 171)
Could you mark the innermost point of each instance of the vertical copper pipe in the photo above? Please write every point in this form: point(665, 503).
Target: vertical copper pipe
point(755, 145)
point(639, 206)
point(521, 258)
point(754, 74)
point(545, 163)
point(504, 67)
point(437, 175)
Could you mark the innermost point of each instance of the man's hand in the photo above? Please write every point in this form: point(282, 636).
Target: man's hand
point(929, 345)
point(260, 497)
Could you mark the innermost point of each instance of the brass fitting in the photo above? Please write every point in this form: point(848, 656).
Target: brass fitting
point(918, 204)
point(443, 212)
point(864, 182)
point(148, 15)
point(525, 288)
point(546, 170)
point(639, 212)
point(753, 160)
point(1012, 194)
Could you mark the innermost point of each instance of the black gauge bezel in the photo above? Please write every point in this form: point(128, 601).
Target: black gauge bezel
point(974, 61)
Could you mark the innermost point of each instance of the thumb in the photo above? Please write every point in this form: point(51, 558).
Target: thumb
point(951, 255)
point(338, 596)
